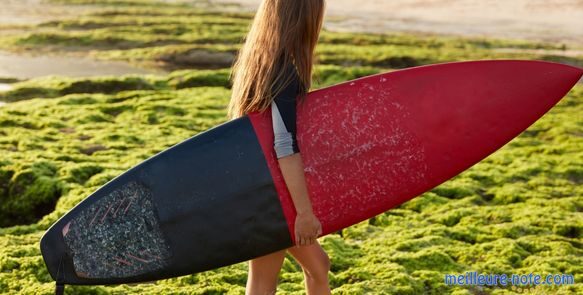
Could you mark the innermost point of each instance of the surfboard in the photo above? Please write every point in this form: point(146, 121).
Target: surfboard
point(368, 145)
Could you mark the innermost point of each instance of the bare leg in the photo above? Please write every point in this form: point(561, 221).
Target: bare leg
point(263, 273)
point(316, 264)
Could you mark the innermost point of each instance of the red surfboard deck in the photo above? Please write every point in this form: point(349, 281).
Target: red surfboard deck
point(371, 144)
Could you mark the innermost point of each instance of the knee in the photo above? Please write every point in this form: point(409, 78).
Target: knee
point(258, 284)
point(320, 272)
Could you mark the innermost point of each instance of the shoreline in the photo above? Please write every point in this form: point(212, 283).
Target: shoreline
point(534, 20)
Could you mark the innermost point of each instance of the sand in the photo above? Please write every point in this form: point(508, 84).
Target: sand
point(30, 12)
point(543, 20)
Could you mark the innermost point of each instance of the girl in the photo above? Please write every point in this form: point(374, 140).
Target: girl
point(273, 67)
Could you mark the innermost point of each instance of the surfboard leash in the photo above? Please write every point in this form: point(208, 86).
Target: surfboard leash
point(60, 282)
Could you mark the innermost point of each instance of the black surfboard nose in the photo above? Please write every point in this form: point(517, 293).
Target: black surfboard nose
point(204, 203)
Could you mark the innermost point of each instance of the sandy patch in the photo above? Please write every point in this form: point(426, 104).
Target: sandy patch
point(30, 12)
point(29, 66)
point(544, 20)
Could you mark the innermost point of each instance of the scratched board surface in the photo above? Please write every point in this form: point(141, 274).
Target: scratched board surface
point(371, 144)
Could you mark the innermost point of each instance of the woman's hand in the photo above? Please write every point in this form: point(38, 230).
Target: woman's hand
point(307, 229)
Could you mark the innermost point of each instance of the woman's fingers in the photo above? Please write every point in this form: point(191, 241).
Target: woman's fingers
point(309, 240)
point(308, 229)
point(305, 240)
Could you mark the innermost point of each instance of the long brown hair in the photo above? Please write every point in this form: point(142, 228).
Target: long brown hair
point(283, 33)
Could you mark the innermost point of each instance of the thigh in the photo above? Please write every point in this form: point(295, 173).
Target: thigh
point(267, 266)
point(312, 258)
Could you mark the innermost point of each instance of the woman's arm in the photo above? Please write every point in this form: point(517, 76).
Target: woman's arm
point(292, 169)
point(283, 111)
point(307, 225)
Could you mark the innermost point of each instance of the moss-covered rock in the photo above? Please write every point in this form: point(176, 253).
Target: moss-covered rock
point(80, 173)
point(28, 193)
point(189, 78)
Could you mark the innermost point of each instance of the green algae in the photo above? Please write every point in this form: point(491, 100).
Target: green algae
point(28, 192)
point(55, 86)
point(517, 211)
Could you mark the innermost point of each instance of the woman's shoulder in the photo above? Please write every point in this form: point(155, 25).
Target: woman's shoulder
point(288, 69)
point(289, 77)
